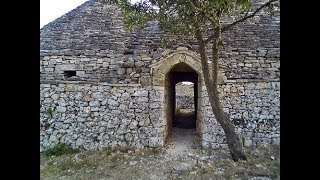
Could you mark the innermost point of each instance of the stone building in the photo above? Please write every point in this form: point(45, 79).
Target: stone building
point(104, 86)
point(184, 96)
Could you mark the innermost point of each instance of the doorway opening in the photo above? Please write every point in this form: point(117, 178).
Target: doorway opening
point(184, 114)
point(181, 114)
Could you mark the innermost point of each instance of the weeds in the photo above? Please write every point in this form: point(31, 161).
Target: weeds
point(111, 160)
point(50, 112)
point(59, 150)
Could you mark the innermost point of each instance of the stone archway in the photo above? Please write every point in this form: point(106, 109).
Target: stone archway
point(181, 65)
point(159, 69)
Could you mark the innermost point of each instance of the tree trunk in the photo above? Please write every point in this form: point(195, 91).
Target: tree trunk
point(210, 79)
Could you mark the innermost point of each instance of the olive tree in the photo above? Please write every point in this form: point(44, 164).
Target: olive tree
point(203, 20)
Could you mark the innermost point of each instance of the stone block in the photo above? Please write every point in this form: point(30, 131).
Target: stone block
point(105, 64)
point(141, 93)
point(145, 80)
point(128, 71)
point(71, 87)
point(142, 99)
point(121, 71)
point(128, 64)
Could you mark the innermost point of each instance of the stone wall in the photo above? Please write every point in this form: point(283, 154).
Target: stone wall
point(184, 96)
point(90, 40)
point(254, 108)
point(184, 102)
point(111, 101)
point(98, 115)
point(93, 41)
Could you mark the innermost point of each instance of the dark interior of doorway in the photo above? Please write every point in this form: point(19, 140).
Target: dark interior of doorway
point(182, 72)
point(184, 115)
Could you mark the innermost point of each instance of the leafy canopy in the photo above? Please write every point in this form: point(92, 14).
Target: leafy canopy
point(182, 16)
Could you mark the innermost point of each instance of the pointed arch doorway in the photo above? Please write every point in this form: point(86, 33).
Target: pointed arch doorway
point(181, 72)
point(178, 67)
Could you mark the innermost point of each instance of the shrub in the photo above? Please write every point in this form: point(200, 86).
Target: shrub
point(59, 150)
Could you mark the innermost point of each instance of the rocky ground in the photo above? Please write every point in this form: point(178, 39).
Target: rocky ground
point(182, 158)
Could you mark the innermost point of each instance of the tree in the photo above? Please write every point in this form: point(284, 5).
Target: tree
point(202, 19)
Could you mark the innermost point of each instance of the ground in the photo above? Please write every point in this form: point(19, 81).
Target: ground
point(181, 158)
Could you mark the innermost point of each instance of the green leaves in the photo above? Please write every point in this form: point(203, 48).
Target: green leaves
point(134, 19)
point(183, 16)
point(50, 112)
point(164, 41)
point(245, 4)
point(271, 9)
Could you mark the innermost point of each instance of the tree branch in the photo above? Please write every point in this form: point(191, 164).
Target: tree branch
point(215, 55)
point(240, 20)
point(204, 60)
point(198, 8)
point(247, 16)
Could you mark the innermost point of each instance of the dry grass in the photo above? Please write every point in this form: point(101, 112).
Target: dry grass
point(151, 164)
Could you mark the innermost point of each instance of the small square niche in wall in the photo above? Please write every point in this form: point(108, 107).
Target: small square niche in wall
point(69, 74)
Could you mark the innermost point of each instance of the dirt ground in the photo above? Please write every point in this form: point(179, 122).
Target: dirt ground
point(181, 158)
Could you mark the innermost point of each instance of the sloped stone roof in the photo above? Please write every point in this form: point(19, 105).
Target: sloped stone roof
point(91, 27)
point(251, 50)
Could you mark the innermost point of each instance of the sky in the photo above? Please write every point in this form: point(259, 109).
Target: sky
point(53, 9)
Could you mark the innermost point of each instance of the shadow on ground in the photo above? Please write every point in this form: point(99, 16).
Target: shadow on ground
point(185, 119)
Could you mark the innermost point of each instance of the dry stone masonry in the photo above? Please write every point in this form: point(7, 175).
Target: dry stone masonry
point(252, 107)
point(104, 86)
point(184, 96)
point(95, 116)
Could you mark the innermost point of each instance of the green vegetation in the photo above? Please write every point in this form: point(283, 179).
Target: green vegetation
point(50, 112)
point(262, 162)
point(203, 20)
point(59, 150)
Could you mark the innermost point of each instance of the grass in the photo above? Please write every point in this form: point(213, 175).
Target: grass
point(59, 150)
point(75, 165)
point(67, 164)
point(83, 164)
point(259, 163)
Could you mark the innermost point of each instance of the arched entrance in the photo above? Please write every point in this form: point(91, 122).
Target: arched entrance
point(177, 67)
point(185, 105)
point(178, 73)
